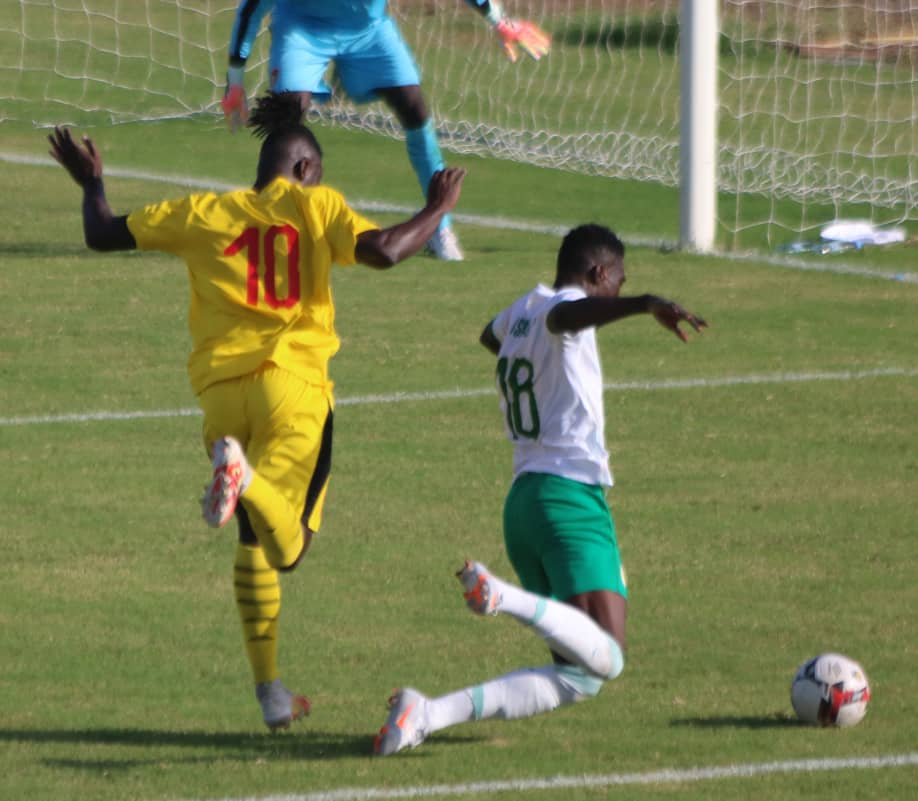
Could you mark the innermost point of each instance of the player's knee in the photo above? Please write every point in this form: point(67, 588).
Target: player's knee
point(576, 684)
point(616, 660)
point(606, 663)
point(287, 566)
point(408, 104)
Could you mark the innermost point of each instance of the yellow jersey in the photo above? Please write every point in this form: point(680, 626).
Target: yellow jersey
point(259, 267)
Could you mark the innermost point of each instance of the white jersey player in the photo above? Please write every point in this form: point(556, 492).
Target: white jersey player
point(558, 529)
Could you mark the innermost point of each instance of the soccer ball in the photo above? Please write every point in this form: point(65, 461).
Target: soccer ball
point(830, 690)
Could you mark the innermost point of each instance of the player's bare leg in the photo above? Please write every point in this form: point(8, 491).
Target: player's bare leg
point(569, 631)
point(608, 609)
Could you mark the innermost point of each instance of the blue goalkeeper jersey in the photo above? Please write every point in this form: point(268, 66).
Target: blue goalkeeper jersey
point(344, 15)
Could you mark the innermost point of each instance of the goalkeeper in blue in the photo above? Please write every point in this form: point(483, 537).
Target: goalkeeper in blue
point(372, 62)
point(558, 530)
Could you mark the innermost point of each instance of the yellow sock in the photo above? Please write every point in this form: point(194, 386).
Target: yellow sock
point(258, 598)
point(276, 522)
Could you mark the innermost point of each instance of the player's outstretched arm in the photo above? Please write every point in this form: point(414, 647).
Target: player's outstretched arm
point(576, 315)
point(101, 230)
point(514, 33)
point(385, 247)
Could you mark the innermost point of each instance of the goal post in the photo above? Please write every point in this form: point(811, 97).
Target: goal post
point(699, 36)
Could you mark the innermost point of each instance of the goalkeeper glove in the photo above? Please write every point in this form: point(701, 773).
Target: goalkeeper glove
point(234, 103)
point(527, 35)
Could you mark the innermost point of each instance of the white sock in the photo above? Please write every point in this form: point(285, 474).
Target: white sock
point(566, 630)
point(520, 694)
point(448, 710)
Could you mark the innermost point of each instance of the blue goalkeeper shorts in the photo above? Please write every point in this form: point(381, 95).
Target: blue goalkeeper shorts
point(365, 59)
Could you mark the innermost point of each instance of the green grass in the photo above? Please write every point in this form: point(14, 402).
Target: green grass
point(760, 523)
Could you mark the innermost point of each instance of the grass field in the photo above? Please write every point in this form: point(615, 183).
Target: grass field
point(766, 487)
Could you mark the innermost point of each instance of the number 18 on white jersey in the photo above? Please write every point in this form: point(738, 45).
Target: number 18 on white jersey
point(551, 391)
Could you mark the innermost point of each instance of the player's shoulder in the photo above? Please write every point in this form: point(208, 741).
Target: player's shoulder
point(568, 293)
point(318, 195)
point(527, 312)
point(173, 208)
point(544, 298)
point(199, 200)
point(538, 294)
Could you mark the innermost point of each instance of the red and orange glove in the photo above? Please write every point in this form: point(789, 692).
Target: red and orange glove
point(528, 36)
point(235, 105)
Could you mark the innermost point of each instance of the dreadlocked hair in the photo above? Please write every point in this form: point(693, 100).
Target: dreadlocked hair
point(276, 116)
point(276, 112)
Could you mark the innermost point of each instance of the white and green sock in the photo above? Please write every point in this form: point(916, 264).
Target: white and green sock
point(566, 630)
point(520, 694)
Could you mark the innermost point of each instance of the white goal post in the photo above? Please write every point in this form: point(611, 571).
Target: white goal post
point(698, 124)
point(815, 102)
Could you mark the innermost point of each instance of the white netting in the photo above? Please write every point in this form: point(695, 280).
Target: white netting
point(120, 60)
point(818, 105)
point(818, 97)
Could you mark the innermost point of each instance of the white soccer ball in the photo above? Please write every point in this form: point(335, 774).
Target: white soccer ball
point(830, 690)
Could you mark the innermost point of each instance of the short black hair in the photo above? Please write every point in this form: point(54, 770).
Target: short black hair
point(583, 246)
point(278, 118)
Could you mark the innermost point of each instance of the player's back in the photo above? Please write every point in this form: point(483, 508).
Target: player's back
point(551, 390)
point(259, 265)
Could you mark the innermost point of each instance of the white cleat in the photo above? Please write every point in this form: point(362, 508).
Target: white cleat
point(481, 595)
point(406, 726)
point(444, 245)
point(221, 496)
point(279, 706)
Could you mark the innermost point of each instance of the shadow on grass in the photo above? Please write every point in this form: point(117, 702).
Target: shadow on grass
point(246, 745)
point(216, 746)
point(777, 720)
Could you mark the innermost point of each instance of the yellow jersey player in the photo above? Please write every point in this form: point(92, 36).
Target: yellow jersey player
point(262, 326)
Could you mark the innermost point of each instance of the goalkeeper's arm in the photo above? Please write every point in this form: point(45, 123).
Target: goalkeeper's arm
point(514, 33)
point(249, 15)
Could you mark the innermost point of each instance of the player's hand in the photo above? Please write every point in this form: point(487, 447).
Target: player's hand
point(83, 162)
point(669, 315)
point(235, 104)
point(444, 189)
point(528, 36)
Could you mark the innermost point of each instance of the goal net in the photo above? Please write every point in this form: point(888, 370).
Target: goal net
point(817, 105)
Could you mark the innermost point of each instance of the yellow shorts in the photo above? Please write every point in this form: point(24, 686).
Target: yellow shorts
point(285, 428)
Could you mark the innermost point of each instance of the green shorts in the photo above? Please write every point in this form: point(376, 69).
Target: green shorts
point(560, 537)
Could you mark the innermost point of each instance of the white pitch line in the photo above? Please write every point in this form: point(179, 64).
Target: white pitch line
point(665, 776)
point(414, 397)
point(500, 223)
